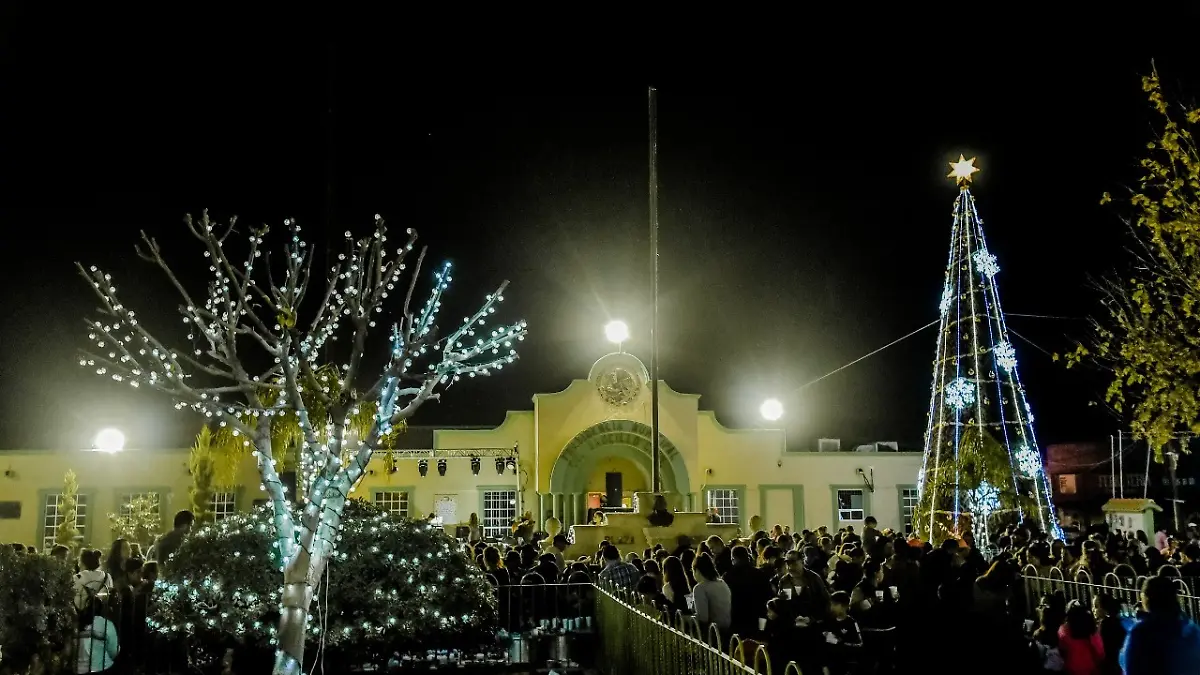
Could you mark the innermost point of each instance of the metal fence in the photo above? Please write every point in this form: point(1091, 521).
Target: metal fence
point(635, 638)
point(1122, 583)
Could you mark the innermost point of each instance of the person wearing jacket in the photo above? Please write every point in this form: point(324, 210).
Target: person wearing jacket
point(1079, 642)
point(1162, 642)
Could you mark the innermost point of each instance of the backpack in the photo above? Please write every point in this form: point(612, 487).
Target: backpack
point(91, 596)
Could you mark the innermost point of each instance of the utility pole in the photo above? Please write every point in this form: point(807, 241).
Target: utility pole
point(1172, 462)
point(655, 468)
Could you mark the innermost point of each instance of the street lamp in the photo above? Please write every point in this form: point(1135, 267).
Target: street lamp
point(109, 440)
point(616, 332)
point(771, 410)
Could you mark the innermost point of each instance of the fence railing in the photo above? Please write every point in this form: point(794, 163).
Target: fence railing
point(635, 638)
point(1122, 583)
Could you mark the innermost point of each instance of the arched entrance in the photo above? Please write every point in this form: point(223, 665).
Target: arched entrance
point(623, 439)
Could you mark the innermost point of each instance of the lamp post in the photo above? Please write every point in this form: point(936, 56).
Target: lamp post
point(616, 332)
point(109, 440)
point(771, 410)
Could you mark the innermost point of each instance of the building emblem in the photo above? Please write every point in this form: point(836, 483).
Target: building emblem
point(619, 379)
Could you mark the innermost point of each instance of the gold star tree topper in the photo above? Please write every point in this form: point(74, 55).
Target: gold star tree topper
point(961, 170)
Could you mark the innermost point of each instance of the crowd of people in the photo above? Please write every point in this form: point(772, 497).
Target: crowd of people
point(832, 601)
point(844, 601)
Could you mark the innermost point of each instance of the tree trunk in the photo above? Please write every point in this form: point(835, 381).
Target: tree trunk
point(293, 617)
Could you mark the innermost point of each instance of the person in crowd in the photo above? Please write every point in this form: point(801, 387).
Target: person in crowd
point(807, 595)
point(676, 588)
point(60, 552)
point(868, 597)
point(650, 590)
point(780, 634)
point(1163, 641)
point(1079, 642)
point(117, 555)
point(92, 584)
point(712, 596)
point(616, 572)
point(843, 638)
point(1051, 613)
point(750, 590)
point(870, 535)
point(1107, 612)
point(1191, 560)
point(474, 530)
point(494, 568)
point(149, 575)
point(720, 553)
point(170, 542)
point(557, 548)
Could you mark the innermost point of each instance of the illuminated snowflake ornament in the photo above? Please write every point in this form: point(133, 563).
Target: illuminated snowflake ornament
point(986, 263)
point(1028, 461)
point(947, 298)
point(960, 393)
point(985, 498)
point(1006, 356)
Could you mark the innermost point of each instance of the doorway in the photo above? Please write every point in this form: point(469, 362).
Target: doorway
point(614, 487)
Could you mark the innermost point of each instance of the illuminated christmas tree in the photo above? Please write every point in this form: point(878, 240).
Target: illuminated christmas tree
point(982, 465)
point(259, 333)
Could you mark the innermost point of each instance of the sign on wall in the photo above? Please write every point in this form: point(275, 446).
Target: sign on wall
point(445, 507)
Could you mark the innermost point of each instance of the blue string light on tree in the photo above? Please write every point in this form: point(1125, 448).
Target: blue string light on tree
point(1028, 461)
point(985, 499)
point(960, 393)
point(1006, 356)
point(986, 263)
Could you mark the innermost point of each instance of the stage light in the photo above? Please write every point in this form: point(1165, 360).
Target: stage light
point(475, 463)
point(423, 467)
point(499, 466)
point(441, 467)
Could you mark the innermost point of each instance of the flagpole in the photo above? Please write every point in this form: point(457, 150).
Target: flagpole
point(655, 468)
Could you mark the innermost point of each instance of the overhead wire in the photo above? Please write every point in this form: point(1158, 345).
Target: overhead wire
point(865, 356)
point(926, 327)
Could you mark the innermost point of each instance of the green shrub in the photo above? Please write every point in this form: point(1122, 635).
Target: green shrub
point(37, 617)
point(395, 585)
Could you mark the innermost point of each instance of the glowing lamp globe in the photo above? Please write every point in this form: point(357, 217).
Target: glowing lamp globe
point(109, 440)
point(616, 332)
point(771, 410)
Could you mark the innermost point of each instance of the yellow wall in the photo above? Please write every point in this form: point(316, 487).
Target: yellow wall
point(560, 416)
point(751, 461)
point(633, 477)
point(104, 479)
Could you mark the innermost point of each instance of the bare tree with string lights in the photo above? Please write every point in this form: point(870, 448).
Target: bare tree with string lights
point(257, 333)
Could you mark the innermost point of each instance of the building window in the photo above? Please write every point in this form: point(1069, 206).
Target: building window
point(223, 504)
point(499, 510)
point(850, 506)
point(152, 500)
point(394, 502)
point(54, 517)
point(908, 506)
point(725, 501)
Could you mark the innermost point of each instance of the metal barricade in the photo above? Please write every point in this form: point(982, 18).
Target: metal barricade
point(1121, 584)
point(634, 640)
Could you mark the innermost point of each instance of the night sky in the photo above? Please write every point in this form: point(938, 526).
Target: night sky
point(804, 211)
